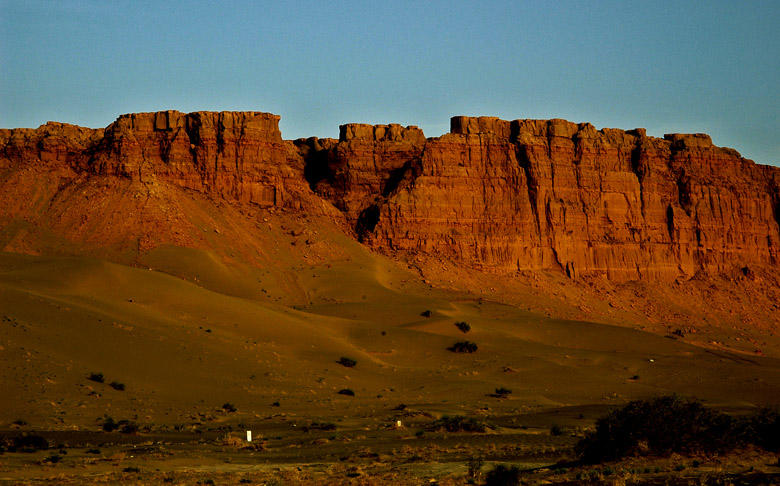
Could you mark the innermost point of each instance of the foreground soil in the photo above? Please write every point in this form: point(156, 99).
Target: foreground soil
point(194, 352)
point(295, 451)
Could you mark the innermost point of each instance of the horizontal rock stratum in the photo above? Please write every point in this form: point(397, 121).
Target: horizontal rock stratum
point(492, 194)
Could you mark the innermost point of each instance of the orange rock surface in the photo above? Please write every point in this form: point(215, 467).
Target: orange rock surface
point(554, 195)
point(492, 194)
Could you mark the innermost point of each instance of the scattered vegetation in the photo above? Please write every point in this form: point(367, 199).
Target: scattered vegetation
point(348, 362)
point(24, 443)
point(503, 475)
point(502, 392)
point(347, 391)
point(97, 377)
point(463, 347)
point(117, 385)
point(426, 313)
point(229, 407)
point(131, 469)
point(123, 426)
point(556, 430)
point(474, 465)
point(20, 422)
point(458, 423)
point(54, 458)
point(673, 424)
point(319, 426)
point(464, 327)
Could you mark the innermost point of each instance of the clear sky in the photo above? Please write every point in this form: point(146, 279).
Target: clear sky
point(678, 66)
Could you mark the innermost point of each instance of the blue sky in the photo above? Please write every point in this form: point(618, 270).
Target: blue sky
point(710, 66)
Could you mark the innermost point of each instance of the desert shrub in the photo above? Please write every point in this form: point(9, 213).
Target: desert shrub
point(97, 377)
point(131, 469)
point(20, 422)
point(458, 423)
point(93, 451)
point(348, 362)
point(117, 385)
point(426, 313)
point(764, 428)
point(659, 426)
point(128, 427)
point(503, 475)
point(109, 425)
point(474, 465)
point(229, 407)
point(556, 430)
point(319, 426)
point(464, 327)
point(347, 391)
point(25, 443)
point(54, 458)
point(463, 347)
point(503, 392)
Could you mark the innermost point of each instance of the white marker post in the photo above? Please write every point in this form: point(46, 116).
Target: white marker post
point(249, 436)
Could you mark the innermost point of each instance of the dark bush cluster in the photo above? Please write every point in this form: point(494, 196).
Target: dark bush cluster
point(674, 424)
point(96, 377)
point(502, 392)
point(319, 426)
point(348, 362)
point(24, 443)
point(463, 347)
point(123, 426)
point(464, 327)
point(458, 423)
point(347, 391)
point(503, 475)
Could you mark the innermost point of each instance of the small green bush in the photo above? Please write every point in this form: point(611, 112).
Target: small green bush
point(347, 391)
point(503, 475)
point(464, 327)
point(348, 362)
point(463, 347)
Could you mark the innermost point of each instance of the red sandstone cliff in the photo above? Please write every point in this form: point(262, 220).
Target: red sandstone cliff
point(492, 194)
point(554, 195)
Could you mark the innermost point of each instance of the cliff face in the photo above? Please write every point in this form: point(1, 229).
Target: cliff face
point(554, 195)
point(492, 194)
point(239, 156)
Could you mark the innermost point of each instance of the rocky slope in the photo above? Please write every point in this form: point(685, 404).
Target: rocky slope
point(506, 196)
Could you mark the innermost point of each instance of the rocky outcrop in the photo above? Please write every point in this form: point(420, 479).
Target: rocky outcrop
point(492, 194)
point(235, 155)
point(554, 195)
point(366, 165)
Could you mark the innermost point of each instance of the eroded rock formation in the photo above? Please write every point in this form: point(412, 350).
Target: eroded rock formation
point(492, 194)
point(554, 195)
